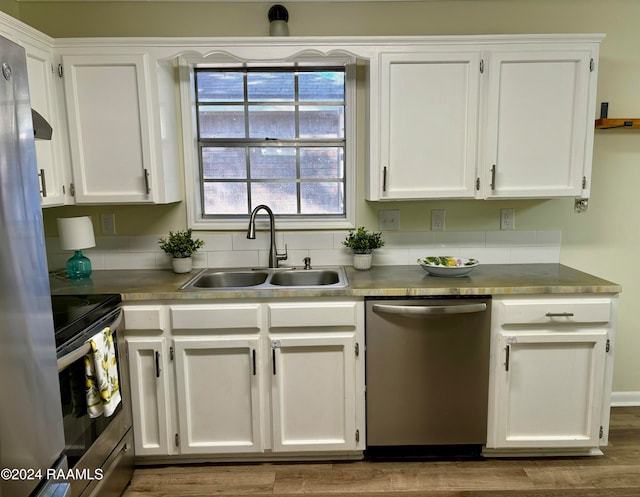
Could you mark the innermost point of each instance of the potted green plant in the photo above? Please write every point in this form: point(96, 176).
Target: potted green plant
point(363, 242)
point(181, 246)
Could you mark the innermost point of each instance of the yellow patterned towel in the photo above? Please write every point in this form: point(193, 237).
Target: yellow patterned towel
point(103, 386)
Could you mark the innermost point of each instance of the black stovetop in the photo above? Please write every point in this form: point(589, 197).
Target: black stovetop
point(72, 314)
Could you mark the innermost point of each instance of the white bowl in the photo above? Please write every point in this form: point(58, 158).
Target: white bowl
point(437, 266)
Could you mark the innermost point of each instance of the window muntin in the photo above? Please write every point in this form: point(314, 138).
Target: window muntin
point(272, 136)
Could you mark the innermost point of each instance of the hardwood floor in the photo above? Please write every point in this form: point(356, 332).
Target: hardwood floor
point(616, 474)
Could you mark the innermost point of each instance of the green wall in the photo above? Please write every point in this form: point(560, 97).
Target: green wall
point(10, 7)
point(604, 241)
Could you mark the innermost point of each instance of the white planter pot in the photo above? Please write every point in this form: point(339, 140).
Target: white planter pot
point(182, 264)
point(362, 261)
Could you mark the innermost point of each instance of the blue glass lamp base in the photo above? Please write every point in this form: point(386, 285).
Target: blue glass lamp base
point(79, 266)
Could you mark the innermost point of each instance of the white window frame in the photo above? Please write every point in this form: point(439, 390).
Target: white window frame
point(195, 219)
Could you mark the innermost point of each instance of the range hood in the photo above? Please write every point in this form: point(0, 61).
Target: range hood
point(41, 128)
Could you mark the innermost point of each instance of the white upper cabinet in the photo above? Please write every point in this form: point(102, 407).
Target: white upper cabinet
point(42, 91)
point(116, 128)
point(428, 124)
point(483, 117)
point(539, 123)
point(54, 174)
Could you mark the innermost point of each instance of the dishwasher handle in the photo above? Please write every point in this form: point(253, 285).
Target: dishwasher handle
point(424, 310)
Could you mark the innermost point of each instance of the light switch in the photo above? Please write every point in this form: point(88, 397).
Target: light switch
point(389, 220)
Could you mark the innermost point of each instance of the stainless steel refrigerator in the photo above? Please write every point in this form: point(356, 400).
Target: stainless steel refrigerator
point(31, 433)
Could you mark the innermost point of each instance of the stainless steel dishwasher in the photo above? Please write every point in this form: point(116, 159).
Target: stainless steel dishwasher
point(427, 371)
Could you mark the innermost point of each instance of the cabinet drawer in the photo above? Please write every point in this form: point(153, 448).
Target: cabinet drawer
point(143, 317)
point(294, 315)
point(555, 312)
point(215, 317)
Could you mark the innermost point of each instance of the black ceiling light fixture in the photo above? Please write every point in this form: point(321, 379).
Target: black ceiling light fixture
point(278, 18)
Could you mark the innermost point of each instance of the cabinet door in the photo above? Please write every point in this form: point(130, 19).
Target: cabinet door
point(313, 392)
point(549, 389)
point(429, 124)
point(539, 124)
point(218, 395)
point(109, 112)
point(43, 101)
point(149, 395)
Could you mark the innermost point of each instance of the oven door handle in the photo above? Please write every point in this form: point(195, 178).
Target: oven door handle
point(66, 360)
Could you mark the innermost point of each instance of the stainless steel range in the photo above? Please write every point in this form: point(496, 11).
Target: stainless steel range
point(99, 450)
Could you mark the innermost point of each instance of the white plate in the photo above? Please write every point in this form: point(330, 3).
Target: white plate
point(435, 266)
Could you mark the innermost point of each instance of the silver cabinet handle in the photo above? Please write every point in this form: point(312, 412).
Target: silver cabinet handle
point(493, 177)
point(559, 314)
point(146, 181)
point(384, 179)
point(253, 361)
point(428, 309)
point(43, 182)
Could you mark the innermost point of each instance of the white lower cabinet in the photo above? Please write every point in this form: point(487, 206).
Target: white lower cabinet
point(551, 370)
point(218, 395)
point(247, 379)
point(313, 393)
point(149, 393)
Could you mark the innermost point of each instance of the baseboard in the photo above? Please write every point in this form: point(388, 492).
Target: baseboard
point(623, 399)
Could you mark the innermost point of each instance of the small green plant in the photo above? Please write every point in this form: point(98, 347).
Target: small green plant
point(180, 244)
point(362, 241)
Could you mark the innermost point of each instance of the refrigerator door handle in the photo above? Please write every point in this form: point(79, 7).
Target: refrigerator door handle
point(420, 310)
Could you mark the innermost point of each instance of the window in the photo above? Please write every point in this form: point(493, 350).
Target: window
point(276, 136)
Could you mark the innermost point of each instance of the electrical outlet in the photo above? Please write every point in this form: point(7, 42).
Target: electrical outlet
point(507, 219)
point(108, 223)
point(437, 220)
point(389, 220)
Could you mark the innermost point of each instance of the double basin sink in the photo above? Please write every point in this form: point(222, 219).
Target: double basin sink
point(225, 279)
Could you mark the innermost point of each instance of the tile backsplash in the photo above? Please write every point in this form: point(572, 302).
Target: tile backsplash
point(324, 247)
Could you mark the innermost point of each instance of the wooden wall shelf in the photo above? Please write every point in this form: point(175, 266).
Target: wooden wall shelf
point(617, 123)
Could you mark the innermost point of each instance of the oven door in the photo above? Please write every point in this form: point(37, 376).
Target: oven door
point(89, 442)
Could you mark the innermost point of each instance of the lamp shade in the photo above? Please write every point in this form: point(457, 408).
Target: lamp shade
point(76, 233)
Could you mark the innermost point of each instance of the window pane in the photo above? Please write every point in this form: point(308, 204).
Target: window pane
point(220, 86)
point(321, 162)
point(321, 86)
point(270, 86)
point(225, 198)
point(321, 122)
point(281, 197)
point(274, 121)
point(224, 163)
point(322, 198)
point(273, 162)
point(222, 121)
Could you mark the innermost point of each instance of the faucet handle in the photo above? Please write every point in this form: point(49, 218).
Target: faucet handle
point(307, 262)
point(283, 257)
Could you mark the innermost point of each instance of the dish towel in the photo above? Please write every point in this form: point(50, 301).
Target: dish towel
point(101, 369)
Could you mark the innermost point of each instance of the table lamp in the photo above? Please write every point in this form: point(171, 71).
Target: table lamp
point(76, 233)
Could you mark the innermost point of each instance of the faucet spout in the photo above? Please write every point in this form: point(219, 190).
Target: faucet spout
point(274, 257)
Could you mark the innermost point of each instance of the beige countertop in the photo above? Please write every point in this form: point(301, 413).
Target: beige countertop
point(486, 279)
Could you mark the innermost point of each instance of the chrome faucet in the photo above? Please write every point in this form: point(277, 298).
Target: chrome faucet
point(274, 256)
